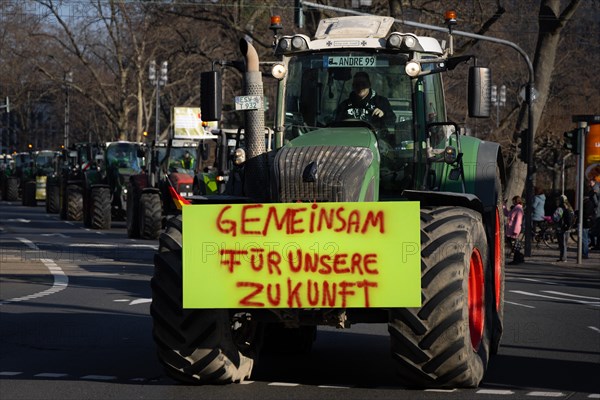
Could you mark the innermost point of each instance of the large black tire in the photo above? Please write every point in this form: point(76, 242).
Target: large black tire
point(52, 199)
point(29, 199)
point(101, 208)
point(150, 215)
point(445, 342)
point(132, 217)
point(74, 203)
point(494, 223)
point(195, 346)
point(11, 189)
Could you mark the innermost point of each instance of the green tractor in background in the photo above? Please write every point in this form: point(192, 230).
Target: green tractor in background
point(35, 175)
point(105, 187)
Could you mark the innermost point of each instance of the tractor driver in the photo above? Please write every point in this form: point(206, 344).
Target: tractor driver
point(187, 162)
point(365, 104)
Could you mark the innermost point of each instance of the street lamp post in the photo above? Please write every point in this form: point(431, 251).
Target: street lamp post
point(157, 81)
point(498, 100)
point(68, 82)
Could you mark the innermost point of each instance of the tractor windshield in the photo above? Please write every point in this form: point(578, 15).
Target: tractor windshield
point(123, 156)
point(322, 89)
point(182, 160)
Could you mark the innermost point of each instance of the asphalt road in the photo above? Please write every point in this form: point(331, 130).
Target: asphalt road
point(75, 323)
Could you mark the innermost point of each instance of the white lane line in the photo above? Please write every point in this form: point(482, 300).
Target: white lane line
point(50, 375)
point(495, 391)
point(518, 304)
point(334, 387)
point(571, 295)
point(99, 377)
point(140, 301)
point(9, 373)
point(536, 280)
point(286, 384)
point(594, 396)
point(594, 328)
point(546, 394)
point(594, 303)
point(61, 280)
point(115, 246)
point(440, 390)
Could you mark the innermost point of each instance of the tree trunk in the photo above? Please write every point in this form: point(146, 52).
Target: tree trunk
point(551, 23)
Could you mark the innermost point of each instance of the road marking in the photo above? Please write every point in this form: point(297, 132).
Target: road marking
point(594, 303)
point(140, 301)
point(495, 391)
point(26, 221)
point(546, 394)
point(113, 246)
point(61, 280)
point(537, 280)
point(594, 396)
point(441, 390)
point(50, 375)
point(99, 377)
point(518, 304)
point(594, 328)
point(9, 373)
point(571, 295)
point(283, 384)
point(334, 387)
point(55, 234)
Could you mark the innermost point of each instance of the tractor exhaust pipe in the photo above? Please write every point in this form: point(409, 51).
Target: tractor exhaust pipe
point(256, 174)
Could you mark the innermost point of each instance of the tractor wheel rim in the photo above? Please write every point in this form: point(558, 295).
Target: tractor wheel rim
point(475, 299)
point(497, 261)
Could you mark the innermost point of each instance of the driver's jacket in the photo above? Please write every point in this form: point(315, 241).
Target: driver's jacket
point(356, 108)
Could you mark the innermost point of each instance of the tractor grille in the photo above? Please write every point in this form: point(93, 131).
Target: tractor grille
point(321, 173)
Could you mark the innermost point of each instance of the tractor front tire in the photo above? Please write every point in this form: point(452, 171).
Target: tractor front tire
point(101, 208)
point(74, 203)
point(445, 342)
point(52, 199)
point(150, 217)
point(11, 189)
point(132, 218)
point(195, 345)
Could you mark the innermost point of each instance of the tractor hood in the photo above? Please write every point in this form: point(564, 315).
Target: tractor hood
point(357, 137)
point(328, 165)
point(178, 178)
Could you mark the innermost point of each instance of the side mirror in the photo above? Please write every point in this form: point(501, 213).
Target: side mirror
point(210, 96)
point(480, 92)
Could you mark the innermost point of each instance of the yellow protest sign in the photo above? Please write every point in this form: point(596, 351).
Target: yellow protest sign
point(301, 255)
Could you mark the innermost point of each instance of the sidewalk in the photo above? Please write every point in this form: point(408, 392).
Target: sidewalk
point(549, 256)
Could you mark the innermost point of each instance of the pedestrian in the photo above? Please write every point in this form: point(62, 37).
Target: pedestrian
point(513, 228)
point(589, 213)
point(563, 217)
point(538, 208)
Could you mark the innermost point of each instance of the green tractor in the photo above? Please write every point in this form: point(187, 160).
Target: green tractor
point(364, 149)
point(35, 175)
point(105, 187)
point(7, 169)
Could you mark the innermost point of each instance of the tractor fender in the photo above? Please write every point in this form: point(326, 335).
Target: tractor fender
point(427, 198)
point(489, 163)
point(150, 190)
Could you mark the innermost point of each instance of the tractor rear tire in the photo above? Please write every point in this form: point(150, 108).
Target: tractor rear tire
point(132, 218)
point(445, 342)
point(74, 203)
point(195, 345)
point(150, 216)
point(52, 199)
point(11, 189)
point(101, 208)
